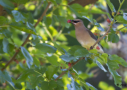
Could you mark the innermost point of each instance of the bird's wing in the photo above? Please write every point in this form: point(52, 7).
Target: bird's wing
point(93, 36)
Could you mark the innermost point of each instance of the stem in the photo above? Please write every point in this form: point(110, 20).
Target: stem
point(59, 33)
point(4, 26)
point(49, 34)
point(121, 28)
point(119, 1)
point(26, 40)
point(87, 70)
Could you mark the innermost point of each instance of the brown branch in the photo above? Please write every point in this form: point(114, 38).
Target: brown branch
point(68, 68)
point(26, 40)
point(102, 37)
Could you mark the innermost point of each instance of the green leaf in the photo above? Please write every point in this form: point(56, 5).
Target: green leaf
point(3, 20)
point(59, 48)
point(77, 9)
point(46, 48)
point(52, 85)
point(67, 58)
point(95, 10)
point(99, 27)
point(74, 85)
point(118, 60)
point(6, 32)
point(120, 19)
point(89, 60)
point(18, 86)
point(28, 17)
point(110, 5)
point(41, 70)
point(58, 1)
point(113, 37)
point(6, 4)
point(81, 53)
point(74, 11)
point(34, 80)
point(93, 51)
point(25, 74)
point(1, 46)
point(48, 21)
point(73, 49)
point(104, 57)
point(29, 59)
point(87, 85)
point(53, 1)
point(45, 85)
point(51, 70)
point(72, 33)
point(22, 27)
point(54, 19)
point(60, 85)
point(30, 26)
point(36, 61)
point(125, 16)
point(52, 31)
point(90, 86)
point(48, 85)
point(100, 66)
point(112, 66)
point(53, 60)
point(64, 21)
point(89, 19)
point(5, 45)
point(18, 16)
point(21, 1)
point(35, 40)
point(5, 76)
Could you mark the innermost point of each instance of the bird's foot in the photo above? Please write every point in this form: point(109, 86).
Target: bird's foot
point(91, 47)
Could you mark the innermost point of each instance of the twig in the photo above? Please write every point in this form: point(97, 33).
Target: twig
point(102, 36)
point(26, 40)
point(69, 68)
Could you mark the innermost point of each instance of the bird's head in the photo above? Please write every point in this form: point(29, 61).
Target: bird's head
point(76, 22)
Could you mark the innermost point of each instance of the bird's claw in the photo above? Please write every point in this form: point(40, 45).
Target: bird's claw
point(91, 47)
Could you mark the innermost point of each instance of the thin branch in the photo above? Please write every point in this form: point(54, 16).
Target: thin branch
point(101, 37)
point(43, 14)
point(68, 68)
point(122, 28)
point(26, 40)
point(59, 33)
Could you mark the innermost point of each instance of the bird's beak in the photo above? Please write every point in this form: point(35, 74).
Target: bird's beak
point(70, 21)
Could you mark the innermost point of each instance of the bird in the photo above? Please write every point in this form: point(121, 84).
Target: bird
point(84, 36)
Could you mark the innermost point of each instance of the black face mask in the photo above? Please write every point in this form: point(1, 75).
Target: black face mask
point(75, 21)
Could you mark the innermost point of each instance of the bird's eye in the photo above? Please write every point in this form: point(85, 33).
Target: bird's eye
point(76, 21)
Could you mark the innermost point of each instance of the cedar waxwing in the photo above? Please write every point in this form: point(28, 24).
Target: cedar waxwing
point(84, 36)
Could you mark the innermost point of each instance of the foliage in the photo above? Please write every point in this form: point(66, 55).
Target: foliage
point(38, 62)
